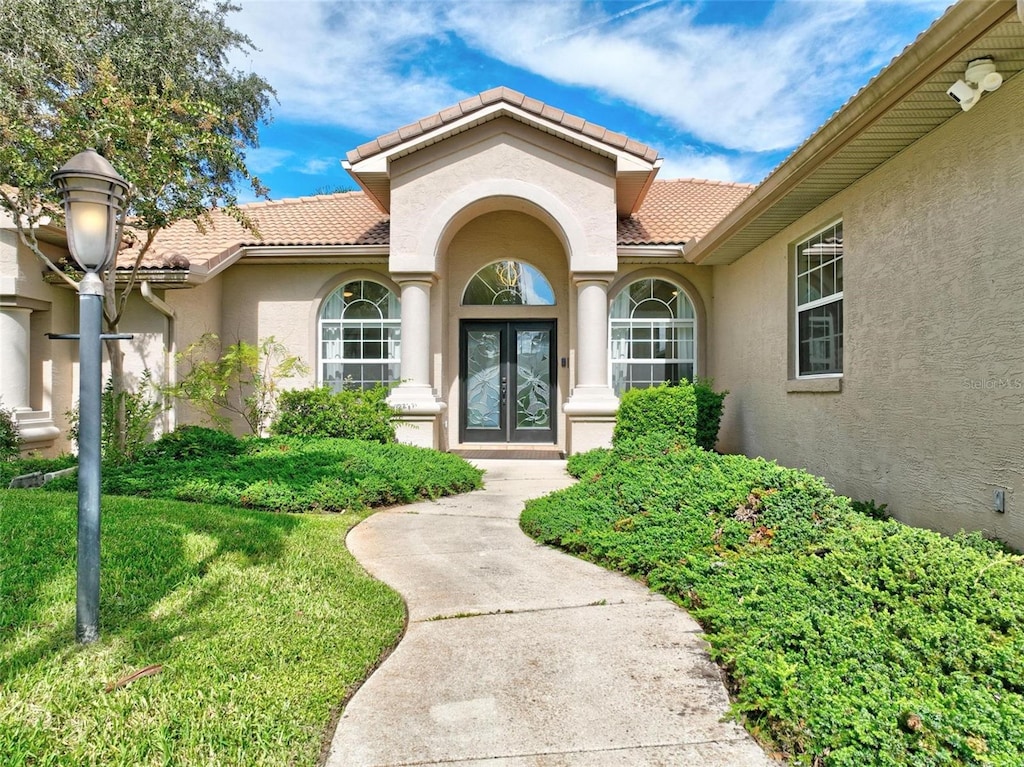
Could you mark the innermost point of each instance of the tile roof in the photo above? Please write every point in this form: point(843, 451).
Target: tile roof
point(672, 213)
point(677, 211)
point(346, 218)
point(515, 98)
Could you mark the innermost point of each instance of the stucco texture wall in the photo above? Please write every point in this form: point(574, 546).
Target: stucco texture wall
point(929, 419)
point(252, 302)
point(436, 190)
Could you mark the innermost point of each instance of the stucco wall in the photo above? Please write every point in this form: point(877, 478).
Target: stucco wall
point(251, 302)
point(52, 385)
point(929, 419)
point(574, 187)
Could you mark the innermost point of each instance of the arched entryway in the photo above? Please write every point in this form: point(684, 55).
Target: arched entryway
point(507, 329)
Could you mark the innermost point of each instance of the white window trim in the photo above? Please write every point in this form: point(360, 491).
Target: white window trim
point(626, 321)
point(340, 323)
point(798, 307)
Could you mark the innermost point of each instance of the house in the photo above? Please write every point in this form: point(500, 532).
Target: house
point(513, 268)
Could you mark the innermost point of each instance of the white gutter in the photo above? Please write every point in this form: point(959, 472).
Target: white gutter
point(170, 349)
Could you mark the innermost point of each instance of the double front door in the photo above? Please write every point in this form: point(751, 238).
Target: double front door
point(507, 370)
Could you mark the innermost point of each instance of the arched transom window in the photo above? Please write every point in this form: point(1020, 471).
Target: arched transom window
point(652, 335)
point(508, 283)
point(360, 336)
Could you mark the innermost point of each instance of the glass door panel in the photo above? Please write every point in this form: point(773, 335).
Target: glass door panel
point(507, 372)
point(483, 379)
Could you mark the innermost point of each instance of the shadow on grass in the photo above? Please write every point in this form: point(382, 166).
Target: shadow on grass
point(150, 550)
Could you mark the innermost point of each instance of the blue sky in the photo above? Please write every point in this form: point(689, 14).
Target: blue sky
point(723, 89)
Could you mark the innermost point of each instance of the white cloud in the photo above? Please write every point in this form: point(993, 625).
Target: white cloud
point(317, 166)
point(350, 64)
point(688, 163)
point(266, 159)
point(748, 88)
point(372, 66)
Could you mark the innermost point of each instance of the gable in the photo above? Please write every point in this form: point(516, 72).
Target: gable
point(635, 164)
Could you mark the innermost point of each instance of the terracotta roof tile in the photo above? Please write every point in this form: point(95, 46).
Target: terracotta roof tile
point(572, 122)
point(673, 213)
point(515, 98)
point(471, 104)
point(347, 218)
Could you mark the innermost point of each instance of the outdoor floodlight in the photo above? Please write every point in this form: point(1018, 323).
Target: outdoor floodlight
point(981, 77)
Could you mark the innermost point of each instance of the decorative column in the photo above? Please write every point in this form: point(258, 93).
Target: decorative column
point(414, 398)
point(36, 427)
point(592, 405)
point(14, 341)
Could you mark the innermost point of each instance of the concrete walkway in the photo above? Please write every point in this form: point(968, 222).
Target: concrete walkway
point(518, 655)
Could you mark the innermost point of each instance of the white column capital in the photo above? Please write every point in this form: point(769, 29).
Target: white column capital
point(414, 278)
point(593, 278)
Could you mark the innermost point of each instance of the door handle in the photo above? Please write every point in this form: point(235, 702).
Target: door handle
point(504, 388)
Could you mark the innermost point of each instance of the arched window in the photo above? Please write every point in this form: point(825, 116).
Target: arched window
point(360, 336)
point(652, 335)
point(508, 283)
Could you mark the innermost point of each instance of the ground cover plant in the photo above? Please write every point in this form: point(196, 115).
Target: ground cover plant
point(249, 628)
point(849, 640)
point(289, 474)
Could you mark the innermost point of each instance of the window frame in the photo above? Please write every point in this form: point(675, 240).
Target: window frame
point(391, 343)
point(691, 322)
point(835, 297)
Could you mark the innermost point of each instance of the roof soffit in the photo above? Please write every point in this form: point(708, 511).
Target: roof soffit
point(903, 103)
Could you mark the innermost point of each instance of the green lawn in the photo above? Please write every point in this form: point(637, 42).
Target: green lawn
point(262, 624)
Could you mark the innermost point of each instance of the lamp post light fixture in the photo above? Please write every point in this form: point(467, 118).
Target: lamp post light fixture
point(94, 195)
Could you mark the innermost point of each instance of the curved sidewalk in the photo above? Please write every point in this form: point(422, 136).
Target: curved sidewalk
point(517, 655)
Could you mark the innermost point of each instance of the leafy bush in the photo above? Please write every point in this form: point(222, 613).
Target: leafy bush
point(241, 378)
point(848, 640)
point(662, 417)
point(189, 442)
point(347, 414)
point(870, 509)
point(709, 412)
point(10, 438)
point(139, 409)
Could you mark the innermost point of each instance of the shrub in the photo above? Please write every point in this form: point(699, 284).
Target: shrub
point(190, 442)
point(709, 412)
point(362, 414)
point(138, 411)
point(290, 474)
point(10, 438)
point(242, 379)
point(662, 417)
point(848, 640)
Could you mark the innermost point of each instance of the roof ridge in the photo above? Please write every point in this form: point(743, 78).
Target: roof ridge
point(514, 98)
point(708, 181)
point(301, 199)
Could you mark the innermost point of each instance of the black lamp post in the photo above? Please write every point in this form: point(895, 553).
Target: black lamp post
point(94, 203)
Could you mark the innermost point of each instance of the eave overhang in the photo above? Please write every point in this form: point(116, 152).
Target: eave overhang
point(904, 102)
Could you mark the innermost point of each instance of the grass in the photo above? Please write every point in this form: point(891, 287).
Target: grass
point(850, 641)
point(250, 628)
point(262, 625)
